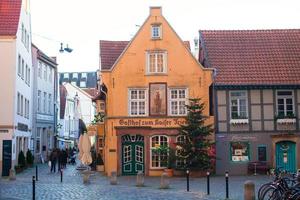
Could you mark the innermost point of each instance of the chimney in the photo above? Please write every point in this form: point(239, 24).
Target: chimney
point(155, 11)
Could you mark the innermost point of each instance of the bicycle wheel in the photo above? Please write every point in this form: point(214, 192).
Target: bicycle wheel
point(271, 193)
point(262, 190)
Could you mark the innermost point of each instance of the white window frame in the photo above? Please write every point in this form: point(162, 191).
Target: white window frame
point(21, 108)
point(151, 148)
point(66, 75)
point(45, 72)
point(159, 31)
point(38, 138)
point(156, 53)
point(138, 100)
point(28, 80)
point(40, 66)
point(19, 65)
point(170, 100)
point(74, 83)
point(75, 75)
point(83, 75)
point(26, 74)
point(50, 75)
point(22, 69)
point(238, 104)
point(285, 97)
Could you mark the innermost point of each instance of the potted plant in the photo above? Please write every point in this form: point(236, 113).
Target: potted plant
point(29, 158)
point(171, 160)
point(168, 155)
point(21, 160)
point(99, 162)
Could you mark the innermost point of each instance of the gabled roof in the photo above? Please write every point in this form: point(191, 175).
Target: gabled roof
point(93, 92)
point(111, 50)
point(9, 17)
point(252, 57)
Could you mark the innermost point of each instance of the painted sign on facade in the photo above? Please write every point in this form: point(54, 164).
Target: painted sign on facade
point(172, 122)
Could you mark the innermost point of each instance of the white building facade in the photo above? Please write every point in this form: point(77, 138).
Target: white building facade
point(16, 85)
point(44, 112)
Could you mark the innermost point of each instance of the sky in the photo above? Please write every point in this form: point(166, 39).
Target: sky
point(82, 23)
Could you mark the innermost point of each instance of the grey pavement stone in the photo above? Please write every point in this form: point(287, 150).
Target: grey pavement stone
point(50, 187)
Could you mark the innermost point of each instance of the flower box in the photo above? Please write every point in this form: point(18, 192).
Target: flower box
point(239, 121)
point(286, 121)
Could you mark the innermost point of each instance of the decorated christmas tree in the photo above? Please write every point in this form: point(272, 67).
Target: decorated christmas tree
point(194, 150)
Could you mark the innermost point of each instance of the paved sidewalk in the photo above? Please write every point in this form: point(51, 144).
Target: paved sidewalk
point(50, 187)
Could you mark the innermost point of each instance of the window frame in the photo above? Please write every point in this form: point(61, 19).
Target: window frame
point(19, 65)
point(159, 31)
point(176, 151)
point(230, 152)
point(165, 61)
point(39, 98)
point(285, 97)
point(238, 104)
point(264, 146)
point(170, 100)
point(151, 148)
point(146, 100)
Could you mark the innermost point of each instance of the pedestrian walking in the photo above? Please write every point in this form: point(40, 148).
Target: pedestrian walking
point(53, 159)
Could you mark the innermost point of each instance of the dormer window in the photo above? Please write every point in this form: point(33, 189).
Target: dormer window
point(156, 31)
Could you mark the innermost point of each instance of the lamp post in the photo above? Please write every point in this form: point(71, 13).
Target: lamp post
point(208, 186)
point(227, 186)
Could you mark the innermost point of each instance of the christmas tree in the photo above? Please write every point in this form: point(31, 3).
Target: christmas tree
point(194, 149)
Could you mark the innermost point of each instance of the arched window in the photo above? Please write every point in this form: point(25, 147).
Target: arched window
point(158, 158)
point(180, 163)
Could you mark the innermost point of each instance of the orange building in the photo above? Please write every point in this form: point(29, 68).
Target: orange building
point(146, 83)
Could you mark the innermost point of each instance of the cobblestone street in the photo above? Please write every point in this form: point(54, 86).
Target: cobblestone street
point(49, 187)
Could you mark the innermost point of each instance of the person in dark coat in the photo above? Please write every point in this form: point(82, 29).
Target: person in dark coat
point(53, 159)
point(64, 158)
point(59, 155)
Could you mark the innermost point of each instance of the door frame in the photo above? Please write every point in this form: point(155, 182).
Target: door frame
point(133, 143)
point(3, 162)
point(285, 137)
point(295, 149)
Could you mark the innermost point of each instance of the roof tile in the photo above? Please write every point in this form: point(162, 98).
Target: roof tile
point(253, 57)
point(9, 16)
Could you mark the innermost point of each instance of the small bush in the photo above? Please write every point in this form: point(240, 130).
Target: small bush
point(29, 157)
point(21, 159)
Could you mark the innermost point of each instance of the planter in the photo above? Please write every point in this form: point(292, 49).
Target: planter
point(18, 170)
point(100, 168)
point(286, 121)
point(170, 172)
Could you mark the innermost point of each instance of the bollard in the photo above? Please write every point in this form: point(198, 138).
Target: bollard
point(187, 180)
point(33, 188)
point(12, 174)
point(164, 181)
point(207, 180)
point(140, 179)
point(227, 186)
point(61, 176)
point(36, 173)
point(113, 178)
point(249, 190)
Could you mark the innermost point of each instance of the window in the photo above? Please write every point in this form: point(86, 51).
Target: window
point(238, 105)
point(40, 69)
point(21, 107)
point(45, 102)
point(239, 151)
point(74, 83)
point(39, 101)
point(22, 71)
point(19, 65)
point(26, 73)
point(49, 103)
point(156, 31)
point(158, 158)
point(262, 153)
point(177, 101)
point(50, 75)
point(137, 102)
point(38, 141)
point(45, 72)
point(22, 36)
point(75, 75)
point(156, 62)
point(25, 38)
point(82, 84)
point(25, 107)
point(28, 76)
point(18, 104)
point(28, 109)
point(66, 75)
point(180, 163)
point(83, 75)
point(285, 103)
